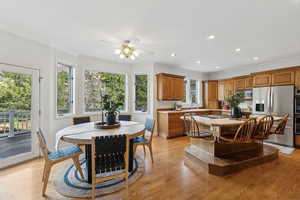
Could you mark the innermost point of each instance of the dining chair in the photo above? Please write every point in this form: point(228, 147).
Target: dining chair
point(52, 158)
point(81, 120)
point(279, 130)
point(143, 140)
point(244, 134)
point(110, 156)
point(192, 128)
point(263, 129)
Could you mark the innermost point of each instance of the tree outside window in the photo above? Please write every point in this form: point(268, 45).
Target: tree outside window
point(141, 93)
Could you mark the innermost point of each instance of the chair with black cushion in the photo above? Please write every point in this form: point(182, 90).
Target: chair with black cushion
point(110, 156)
point(192, 129)
point(244, 134)
point(52, 158)
point(146, 140)
point(279, 130)
point(264, 127)
point(81, 120)
point(124, 118)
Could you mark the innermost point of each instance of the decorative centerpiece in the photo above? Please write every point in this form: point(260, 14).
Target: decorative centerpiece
point(234, 101)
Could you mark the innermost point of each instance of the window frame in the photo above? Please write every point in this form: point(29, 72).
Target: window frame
point(73, 88)
point(188, 93)
point(134, 93)
point(126, 90)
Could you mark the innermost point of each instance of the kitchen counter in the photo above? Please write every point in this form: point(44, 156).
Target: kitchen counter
point(192, 110)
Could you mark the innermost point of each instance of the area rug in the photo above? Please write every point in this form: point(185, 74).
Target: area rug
point(282, 149)
point(69, 183)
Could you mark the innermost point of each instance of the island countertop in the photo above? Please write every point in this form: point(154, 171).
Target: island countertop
point(192, 110)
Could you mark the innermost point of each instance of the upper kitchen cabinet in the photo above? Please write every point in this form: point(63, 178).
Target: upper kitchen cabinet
point(211, 94)
point(239, 84)
point(283, 78)
point(228, 88)
point(170, 87)
point(297, 79)
point(221, 90)
point(262, 80)
point(249, 83)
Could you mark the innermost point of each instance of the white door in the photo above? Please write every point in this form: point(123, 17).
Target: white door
point(19, 114)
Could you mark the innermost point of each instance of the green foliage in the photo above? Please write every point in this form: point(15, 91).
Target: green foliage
point(235, 100)
point(141, 93)
point(15, 92)
point(63, 92)
point(112, 86)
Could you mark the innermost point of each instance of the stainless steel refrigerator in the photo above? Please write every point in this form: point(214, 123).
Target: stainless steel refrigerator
point(277, 100)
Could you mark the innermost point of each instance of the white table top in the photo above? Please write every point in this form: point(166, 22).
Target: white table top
point(83, 133)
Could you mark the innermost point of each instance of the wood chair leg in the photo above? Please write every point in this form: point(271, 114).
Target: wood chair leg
point(134, 148)
point(46, 178)
point(144, 150)
point(77, 165)
point(93, 190)
point(127, 187)
point(44, 170)
point(151, 153)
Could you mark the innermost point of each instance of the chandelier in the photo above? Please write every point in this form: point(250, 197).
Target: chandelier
point(127, 50)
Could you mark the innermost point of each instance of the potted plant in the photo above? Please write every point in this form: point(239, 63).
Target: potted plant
point(111, 107)
point(234, 101)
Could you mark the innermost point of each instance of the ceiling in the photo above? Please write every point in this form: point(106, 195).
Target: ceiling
point(267, 29)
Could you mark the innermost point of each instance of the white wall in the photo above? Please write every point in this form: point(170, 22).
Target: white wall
point(267, 65)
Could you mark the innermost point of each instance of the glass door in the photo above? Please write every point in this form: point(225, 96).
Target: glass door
point(19, 120)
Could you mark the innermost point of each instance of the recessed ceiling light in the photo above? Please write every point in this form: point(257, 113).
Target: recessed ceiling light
point(238, 50)
point(217, 67)
point(211, 37)
point(198, 61)
point(255, 58)
point(173, 54)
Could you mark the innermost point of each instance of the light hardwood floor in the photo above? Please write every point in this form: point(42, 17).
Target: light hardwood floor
point(169, 179)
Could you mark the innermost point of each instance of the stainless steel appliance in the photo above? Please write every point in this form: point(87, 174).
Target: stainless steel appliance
point(277, 100)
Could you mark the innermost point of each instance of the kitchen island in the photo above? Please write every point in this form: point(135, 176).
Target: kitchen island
point(221, 158)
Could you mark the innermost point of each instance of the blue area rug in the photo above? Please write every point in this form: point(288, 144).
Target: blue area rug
point(69, 183)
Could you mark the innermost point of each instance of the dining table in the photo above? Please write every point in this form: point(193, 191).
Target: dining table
point(82, 134)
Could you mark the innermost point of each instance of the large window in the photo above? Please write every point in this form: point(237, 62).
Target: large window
point(102, 82)
point(141, 93)
point(191, 92)
point(64, 89)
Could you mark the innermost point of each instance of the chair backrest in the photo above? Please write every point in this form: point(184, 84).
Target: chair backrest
point(281, 126)
point(245, 132)
point(149, 126)
point(42, 143)
point(264, 126)
point(81, 120)
point(191, 127)
point(110, 153)
point(124, 117)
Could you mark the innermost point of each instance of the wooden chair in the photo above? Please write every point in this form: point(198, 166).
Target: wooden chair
point(244, 134)
point(52, 158)
point(149, 126)
point(81, 120)
point(110, 156)
point(192, 128)
point(279, 130)
point(263, 129)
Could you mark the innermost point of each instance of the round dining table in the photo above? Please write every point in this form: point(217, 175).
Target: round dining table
point(82, 134)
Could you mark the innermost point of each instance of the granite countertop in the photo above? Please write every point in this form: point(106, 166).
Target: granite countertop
point(191, 110)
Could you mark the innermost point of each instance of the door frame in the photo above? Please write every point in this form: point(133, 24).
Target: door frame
point(35, 107)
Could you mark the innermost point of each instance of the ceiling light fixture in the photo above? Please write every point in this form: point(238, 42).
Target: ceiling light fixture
point(255, 58)
point(238, 50)
point(211, 37)
point(173, 54)
point(217, 67)
point(127, 50)
point(198, 62)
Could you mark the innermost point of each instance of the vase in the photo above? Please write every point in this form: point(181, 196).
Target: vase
point(110, 118)
point(236, 112)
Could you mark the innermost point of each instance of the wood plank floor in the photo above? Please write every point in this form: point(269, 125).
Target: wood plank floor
point(169, 179)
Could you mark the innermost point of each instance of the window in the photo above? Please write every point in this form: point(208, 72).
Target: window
point(64, 89)
point(141, 93)
point(191, 92)
point(102, 82)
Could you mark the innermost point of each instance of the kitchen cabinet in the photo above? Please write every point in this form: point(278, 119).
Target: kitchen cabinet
point(228, 88)
point(221, 90)
point(249, 83)
point(297, 79)
point(211, 94)
point(239, 84)
point(283, 78)
point(170, 87)
point(262, 80)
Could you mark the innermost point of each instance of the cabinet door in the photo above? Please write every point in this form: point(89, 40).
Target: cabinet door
point(283, 78)
point(249, 83)
point(239, 84)
point(178, 88)
point(212, 91)
point(229, 88)
point(261, 80)
point(297, 80)
point(221, 88)
point(167, 88)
